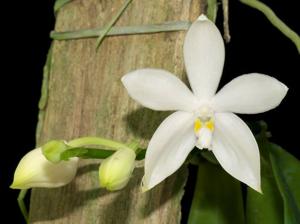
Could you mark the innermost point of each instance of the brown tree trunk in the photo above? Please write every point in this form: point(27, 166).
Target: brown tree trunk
point(86, 98)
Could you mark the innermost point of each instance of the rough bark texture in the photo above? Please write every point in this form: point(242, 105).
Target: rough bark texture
point(86, 97)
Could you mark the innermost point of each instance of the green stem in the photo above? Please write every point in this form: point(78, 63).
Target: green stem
point(85, 141)
point(86, 153)
point(111, 23)
point(226, 35)
point(212, 9)
point(134, 145)
point(22, 205)
point(122, 30)
point(278, 23)
point(91, 153)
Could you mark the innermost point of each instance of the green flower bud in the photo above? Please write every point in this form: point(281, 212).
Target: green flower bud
point(53, 149)
point(116, 170)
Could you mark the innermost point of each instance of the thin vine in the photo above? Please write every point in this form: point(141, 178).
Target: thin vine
point(274, 19)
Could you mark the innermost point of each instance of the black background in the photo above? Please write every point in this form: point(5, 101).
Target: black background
point(256, 46)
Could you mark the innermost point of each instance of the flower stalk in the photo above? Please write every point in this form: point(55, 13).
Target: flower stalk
point(22, 205)
point(275, 20)
point(85, 141)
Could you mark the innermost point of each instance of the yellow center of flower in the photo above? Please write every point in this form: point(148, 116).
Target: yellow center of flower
point(204, 128)
point(199, 123)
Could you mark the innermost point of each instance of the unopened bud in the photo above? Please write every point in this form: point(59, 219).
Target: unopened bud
point(116, 170)
point(34, 170)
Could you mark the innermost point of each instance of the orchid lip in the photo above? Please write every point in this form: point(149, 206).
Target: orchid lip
point(204, 126)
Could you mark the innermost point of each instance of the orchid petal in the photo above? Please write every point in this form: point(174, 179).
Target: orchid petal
point(250, 94)
point(236, 149)
point(159, 90)
point(204, 56)
point(168, 148)
point(34, 170)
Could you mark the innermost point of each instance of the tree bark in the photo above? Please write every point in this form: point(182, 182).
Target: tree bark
point(86, 98)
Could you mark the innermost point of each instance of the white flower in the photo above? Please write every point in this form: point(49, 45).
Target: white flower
point(203, 118)
point(34, 170)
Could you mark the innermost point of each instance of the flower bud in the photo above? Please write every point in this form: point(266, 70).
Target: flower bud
point(34, 170)
point(116, 170)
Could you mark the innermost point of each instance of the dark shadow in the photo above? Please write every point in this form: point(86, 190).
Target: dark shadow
point(143, 122)
point(122, 203)
point(162, 193)
point(87, 168)
point(65, 199)
point(68, 199)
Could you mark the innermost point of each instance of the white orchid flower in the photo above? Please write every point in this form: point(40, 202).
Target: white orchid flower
point(203, 118)
point(34, 170)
